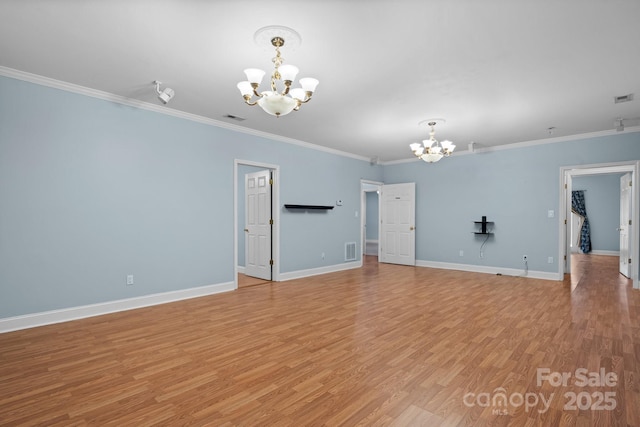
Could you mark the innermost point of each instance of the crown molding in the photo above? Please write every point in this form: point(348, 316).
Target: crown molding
point(107, 96)
point(532, 143)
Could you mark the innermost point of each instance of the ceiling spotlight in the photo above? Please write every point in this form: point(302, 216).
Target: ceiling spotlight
point(164, 95)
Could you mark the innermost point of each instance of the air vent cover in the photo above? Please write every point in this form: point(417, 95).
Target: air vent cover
point(623, 98)
point(232, 117)
point(350, 251)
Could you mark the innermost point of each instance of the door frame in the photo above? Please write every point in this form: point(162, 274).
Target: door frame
point(566, 175)
point(275, 230)
point(363, 213)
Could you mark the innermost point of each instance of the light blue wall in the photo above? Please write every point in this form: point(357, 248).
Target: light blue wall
point(92, 190)
point(602, 200)
point(373, 216)
point(514, 187)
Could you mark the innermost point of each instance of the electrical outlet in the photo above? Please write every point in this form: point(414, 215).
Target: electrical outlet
point(461, 252)
point(524, 257)
point(322, 255)
point(550, 260)
point(129, 279)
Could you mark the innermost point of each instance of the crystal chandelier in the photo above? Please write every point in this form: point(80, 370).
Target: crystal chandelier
point(431, 150)
point(287, 100)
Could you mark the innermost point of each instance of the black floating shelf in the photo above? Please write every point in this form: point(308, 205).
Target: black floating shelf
point(321, 207)
point(483, 226)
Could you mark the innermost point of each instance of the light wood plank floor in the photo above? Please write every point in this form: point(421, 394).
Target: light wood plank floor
point(381, 345)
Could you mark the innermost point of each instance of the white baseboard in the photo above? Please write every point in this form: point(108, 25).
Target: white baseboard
point(371, 247)
point(241, 269)
point(490, 270)
point(9, 324)
point(608, 253)
point(320, 270)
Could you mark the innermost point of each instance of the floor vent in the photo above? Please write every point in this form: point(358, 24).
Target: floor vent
point(350, 251)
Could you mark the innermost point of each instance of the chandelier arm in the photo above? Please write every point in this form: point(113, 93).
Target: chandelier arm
point(287, 86)
point(247, 100)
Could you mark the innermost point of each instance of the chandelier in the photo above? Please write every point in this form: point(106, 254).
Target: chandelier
point(431, 150)
point(271, 101)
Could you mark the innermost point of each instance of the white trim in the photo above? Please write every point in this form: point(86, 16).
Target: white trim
point(367, 246)
point(320, 270)
point(607, 253)
point(9, 324)
point(490, 270)
point(106, 96)
point(240, 269)
point(94, 93)
point(524, 144)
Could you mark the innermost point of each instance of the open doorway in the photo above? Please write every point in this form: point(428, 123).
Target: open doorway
point(370, 218)
point(601, 195)
point(249, 178)
point(567, 176)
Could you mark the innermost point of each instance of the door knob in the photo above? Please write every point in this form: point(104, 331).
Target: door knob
point(412, 228)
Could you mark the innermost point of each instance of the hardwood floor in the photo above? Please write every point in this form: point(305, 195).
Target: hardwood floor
point(381, 345)
point(245, 281)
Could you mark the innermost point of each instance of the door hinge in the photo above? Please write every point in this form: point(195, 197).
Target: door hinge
point(271, 221)
point(565, 257)
point(565, 221)
point(629, 222)
point(565, 186)
point(629, 260)
point(270, 181)
point(270, 262)
point(630, 183)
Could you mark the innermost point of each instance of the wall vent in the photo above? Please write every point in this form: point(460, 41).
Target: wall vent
point(232, 117)
point(350, 251)
point(623, 98)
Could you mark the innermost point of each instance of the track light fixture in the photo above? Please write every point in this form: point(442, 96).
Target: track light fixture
point(164, 95)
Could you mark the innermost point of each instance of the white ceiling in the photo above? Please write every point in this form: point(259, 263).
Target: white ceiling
point(498, 71)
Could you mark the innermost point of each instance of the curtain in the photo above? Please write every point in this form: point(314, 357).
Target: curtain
point(578, 207)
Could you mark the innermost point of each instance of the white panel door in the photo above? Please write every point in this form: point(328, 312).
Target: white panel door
point(625, 224)
point(258, 224)
point(397, 224)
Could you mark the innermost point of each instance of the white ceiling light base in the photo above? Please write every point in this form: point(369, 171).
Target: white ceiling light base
point(265, 35)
